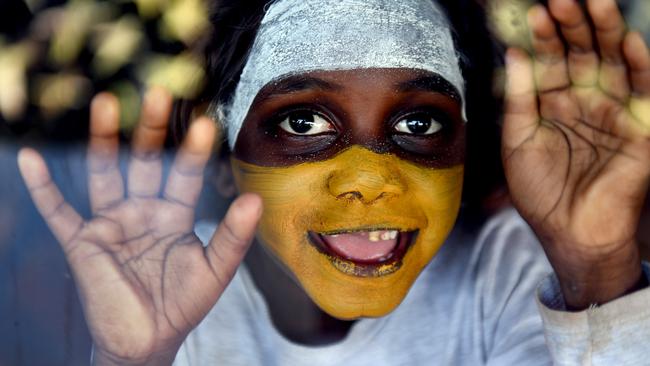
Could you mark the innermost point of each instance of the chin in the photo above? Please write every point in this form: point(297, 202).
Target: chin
point(345, 276)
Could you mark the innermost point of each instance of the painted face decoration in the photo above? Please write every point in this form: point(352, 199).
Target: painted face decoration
point(357, 229)
point(359, 194)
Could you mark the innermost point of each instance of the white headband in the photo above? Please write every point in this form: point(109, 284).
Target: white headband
point(298, 36)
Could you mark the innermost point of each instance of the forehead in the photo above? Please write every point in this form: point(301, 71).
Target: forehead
point(366, 81)
point(303, 35)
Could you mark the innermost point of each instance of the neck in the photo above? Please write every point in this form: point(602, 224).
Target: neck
point(293, 313)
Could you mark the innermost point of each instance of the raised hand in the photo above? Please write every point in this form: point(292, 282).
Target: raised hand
point(144, 278)
point(576, 144)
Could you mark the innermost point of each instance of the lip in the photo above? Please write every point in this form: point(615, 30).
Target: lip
point(371, 268)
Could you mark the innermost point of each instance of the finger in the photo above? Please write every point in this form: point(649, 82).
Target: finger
point(233, 237)
point(186, 176)
point(610, 31)
point(583, 60)
point(145, 167)
point(637, 57)
point(62, 219)
point(639, 108)
point(105, 184)
point(521, 116)
point(551, 71)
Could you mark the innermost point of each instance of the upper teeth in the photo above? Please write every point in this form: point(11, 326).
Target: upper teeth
point(382, 235)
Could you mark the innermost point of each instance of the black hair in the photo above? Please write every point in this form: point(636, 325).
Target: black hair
point(235, 24)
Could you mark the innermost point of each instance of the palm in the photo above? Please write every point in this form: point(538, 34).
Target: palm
point(576, 153)
point(149, 268)
point(144, 278)
point(581, 149)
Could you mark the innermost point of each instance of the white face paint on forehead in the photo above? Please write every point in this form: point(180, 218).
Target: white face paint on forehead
point(298, 36)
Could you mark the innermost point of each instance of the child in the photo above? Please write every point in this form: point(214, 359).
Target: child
point(347, 120)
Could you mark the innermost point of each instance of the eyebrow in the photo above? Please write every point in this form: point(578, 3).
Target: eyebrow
point(430, 83)
point(295, 84)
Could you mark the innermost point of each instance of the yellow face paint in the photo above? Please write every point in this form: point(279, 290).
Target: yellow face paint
point(357, 189)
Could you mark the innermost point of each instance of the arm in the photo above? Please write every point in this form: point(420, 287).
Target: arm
point(515, 287)
point(576, 149)
point(576, 146)
point(615, 333)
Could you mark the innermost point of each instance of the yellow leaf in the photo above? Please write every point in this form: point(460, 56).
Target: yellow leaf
point(73, 27)
point(15, 59)
point(185, 20)
point(182, 75)
point(150, 8)
point(56, 93)
point(507, 19)
point(115, 44)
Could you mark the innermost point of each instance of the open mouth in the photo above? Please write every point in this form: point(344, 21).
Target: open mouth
point(363, 252)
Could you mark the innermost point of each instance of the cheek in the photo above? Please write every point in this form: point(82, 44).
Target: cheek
point(438, 193)
point(291, 198)
point(304, 197)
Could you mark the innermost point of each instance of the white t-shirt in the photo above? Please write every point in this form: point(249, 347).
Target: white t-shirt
point(474, 304)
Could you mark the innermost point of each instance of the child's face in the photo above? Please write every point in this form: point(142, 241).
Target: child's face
point(361, 175)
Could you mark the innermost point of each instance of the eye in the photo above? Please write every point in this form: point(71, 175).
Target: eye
point(305, 123)
point(418, 124)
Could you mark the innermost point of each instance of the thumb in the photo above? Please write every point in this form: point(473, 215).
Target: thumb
point(233, 237)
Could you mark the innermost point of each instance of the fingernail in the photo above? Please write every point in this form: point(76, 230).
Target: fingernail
point(537, 13)
point(102, 103)
point(156, 97)
point(27, 163)
point(22, 158)
point(511, 56)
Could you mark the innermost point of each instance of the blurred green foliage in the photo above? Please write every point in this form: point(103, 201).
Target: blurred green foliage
point(71, 50)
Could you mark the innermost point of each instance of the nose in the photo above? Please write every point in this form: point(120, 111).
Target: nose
point(367, 183)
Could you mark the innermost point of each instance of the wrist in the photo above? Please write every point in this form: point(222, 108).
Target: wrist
point(598, 278)
point(102, 358)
